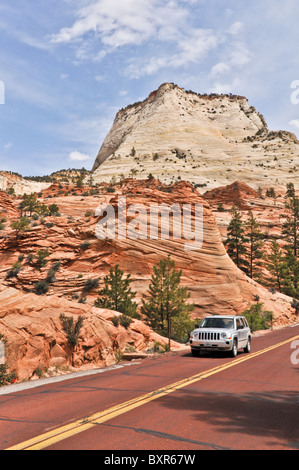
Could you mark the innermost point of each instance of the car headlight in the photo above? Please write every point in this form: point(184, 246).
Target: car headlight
point(223, 335)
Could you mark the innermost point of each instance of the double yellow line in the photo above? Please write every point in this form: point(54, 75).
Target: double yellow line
point(59, 434)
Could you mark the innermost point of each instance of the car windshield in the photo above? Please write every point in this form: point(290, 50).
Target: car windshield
point(226, 323)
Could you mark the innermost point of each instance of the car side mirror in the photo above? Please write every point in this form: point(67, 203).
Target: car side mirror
point(240, 327)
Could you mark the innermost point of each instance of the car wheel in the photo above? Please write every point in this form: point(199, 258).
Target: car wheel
point(247, 348)
point(195, 352)
point(234, 350)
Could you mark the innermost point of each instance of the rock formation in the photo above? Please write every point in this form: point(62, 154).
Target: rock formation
point(173, 143)
point(37, 344)
point(9, 180)
point(209, 140)
point(31, 322)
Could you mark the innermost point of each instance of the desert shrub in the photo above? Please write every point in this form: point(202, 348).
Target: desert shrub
point(125, 321)
point(258, 318)
point(115, 320)
point(41, 287)
point(6, 377)
point(72, 330)
point(41, 260)
point(91, 284)
point(14, 271)
point(89, 213)
point(85, 245)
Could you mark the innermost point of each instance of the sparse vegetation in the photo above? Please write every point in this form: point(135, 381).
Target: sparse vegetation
point(6, 376)
point(257, 317)
point(20, 225)
point(72, 330)
point(165, 304)
point(41, 258)
point(41, 287)
point(91, 284)
point(117, 294)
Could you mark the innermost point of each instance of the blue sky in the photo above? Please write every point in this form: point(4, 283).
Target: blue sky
point(69, 65)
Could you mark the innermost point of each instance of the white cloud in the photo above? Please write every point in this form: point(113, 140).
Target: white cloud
point(190, 47)
point(76, 156)
point(295, 123)
point(225, 88)
point(7, 146)
point(103, 26)
point(220, 69)
point(236, 28)
point(115, 23)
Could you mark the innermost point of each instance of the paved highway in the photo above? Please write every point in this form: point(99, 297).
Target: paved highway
point(170, 402)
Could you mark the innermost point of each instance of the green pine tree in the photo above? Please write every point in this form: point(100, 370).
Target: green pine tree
point(257, 317)
point(20, 225)
point(236, 239)
point(290, 275)
point(255, 250)
point(291, 224)
point(117, 294)
point(167, 300)
point(274, 263)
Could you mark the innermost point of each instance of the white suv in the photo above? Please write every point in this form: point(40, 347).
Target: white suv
point(221, 333)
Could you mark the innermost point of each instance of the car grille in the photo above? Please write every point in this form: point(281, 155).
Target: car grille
point(208, 336)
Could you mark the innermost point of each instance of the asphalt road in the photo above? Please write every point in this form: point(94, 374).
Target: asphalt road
point(172, 402)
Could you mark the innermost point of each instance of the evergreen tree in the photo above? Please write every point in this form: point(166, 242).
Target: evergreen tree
point(20, 225)
point(236, 239)
point(290, 193)
point(29, 203)
point(53, 209)
point(117, 294)
point(290, 275)
point(291, 225)
point(166, 299)
point(258, 319)
point(255, 243)
point(274, 263)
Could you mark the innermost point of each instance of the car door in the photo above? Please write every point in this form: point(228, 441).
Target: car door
point(246, 329)
point(241, 333)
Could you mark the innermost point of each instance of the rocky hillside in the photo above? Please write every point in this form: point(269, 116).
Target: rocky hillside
point(38, 346)
point(209, 140)
point(13, 182)
point(31, 322)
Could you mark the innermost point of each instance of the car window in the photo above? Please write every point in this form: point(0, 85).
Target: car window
point(239, 323)
point(245, 322)
point(226, 323)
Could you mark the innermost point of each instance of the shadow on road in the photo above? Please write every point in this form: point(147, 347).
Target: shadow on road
point(274, 415)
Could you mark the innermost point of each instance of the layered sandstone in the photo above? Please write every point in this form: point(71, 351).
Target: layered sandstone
point(215, 283)
point(209, 140)
point(19, 185)
point(38, 345)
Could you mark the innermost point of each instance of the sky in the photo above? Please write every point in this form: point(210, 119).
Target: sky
point(68, 66)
